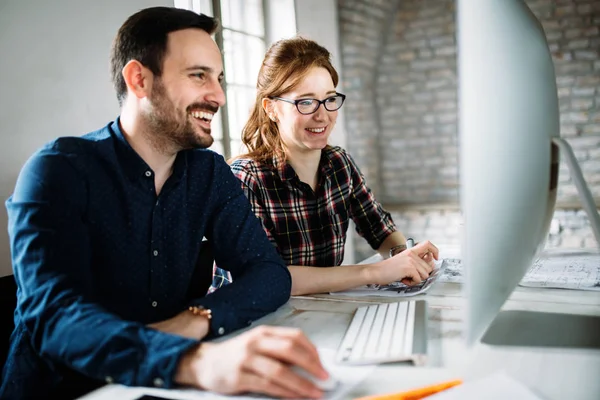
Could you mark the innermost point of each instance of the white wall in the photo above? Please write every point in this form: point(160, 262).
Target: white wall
point(54, 78)
point(282, 20)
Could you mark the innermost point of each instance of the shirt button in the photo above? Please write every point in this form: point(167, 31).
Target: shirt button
point(158, 382)
point(154, 304)
point(155, 252)
point(221, 331)
point(148, 174)
point(109, 379)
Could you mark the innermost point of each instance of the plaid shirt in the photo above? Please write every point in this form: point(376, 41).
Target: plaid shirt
point(309, 228)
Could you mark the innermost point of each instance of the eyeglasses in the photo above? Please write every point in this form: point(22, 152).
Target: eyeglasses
point(310, 106)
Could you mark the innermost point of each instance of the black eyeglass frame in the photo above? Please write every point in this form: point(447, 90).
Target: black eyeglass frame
point(319, 102)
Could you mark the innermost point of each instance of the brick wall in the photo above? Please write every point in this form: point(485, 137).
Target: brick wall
point(399, 64)
point(364, 25)
point(570, 228)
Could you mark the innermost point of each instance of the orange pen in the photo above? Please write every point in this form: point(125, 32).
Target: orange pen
point(415, 394)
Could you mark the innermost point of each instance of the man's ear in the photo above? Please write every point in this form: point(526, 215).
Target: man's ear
point(137, 78)
point(269, 107)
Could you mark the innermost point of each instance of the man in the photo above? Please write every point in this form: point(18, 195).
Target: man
point(106, 232)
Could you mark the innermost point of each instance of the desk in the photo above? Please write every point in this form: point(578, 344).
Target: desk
point(550, 373)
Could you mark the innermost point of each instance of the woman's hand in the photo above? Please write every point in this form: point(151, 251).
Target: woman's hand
point(410, 266)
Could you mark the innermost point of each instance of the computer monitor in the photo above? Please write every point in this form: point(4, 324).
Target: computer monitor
point(509, 158)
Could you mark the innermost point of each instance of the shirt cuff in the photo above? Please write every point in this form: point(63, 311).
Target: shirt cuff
point(164, 351)
point(222, 320)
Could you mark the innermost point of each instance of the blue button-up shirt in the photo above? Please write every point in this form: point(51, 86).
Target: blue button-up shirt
point(97, 255)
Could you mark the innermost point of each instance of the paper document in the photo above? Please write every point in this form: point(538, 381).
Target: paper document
point(397, 289)
point(453, 272)
point(568, 270)
point(563, 270)
point(498, 386)
point(347, 377)
point(574, 271)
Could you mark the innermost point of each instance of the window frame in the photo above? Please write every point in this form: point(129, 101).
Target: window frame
point(227, 139)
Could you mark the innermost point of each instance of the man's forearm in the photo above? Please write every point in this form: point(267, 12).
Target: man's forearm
point(100, 345)
point(184, 324)
point(257, 291)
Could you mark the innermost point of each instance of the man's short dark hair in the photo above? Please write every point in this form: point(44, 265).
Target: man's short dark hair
point(143, 37)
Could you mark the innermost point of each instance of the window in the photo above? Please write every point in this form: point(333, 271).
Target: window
point(246, 30)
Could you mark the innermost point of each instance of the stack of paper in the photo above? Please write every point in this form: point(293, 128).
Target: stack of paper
point(576, 271)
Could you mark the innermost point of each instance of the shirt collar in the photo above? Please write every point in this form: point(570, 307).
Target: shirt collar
point(134, 167)
point(326, 163)
point(283, 169)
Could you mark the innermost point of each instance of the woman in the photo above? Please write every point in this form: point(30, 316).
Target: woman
point(303, 190)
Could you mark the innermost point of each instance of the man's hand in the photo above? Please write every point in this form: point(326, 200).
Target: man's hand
point(410, 266)
point(257, 361)
point(184, 324)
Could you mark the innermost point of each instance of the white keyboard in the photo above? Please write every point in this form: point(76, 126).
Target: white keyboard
point(386, 332)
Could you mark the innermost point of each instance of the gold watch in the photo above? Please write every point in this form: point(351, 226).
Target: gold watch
point(201, 311)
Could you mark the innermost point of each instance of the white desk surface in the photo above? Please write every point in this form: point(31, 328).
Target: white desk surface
point(551, 373)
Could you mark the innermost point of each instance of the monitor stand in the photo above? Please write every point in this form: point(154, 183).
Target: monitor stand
point(584, 192)
point(541, 329)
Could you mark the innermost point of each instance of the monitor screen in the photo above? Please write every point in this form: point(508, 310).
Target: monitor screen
point(508, 164)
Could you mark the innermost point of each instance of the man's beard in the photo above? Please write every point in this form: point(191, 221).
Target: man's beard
point(168, 129)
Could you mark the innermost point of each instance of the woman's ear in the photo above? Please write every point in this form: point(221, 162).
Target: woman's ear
point(269, 107)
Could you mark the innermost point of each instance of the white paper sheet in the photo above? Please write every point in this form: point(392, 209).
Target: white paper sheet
point(575, 271)
point(563, 270)
point(498, 386)
point(347, 377)
point(453, 272)
point(567, 269)
point(398, 289)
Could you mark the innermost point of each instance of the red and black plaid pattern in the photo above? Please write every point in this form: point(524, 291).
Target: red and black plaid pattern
point(309, 228)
